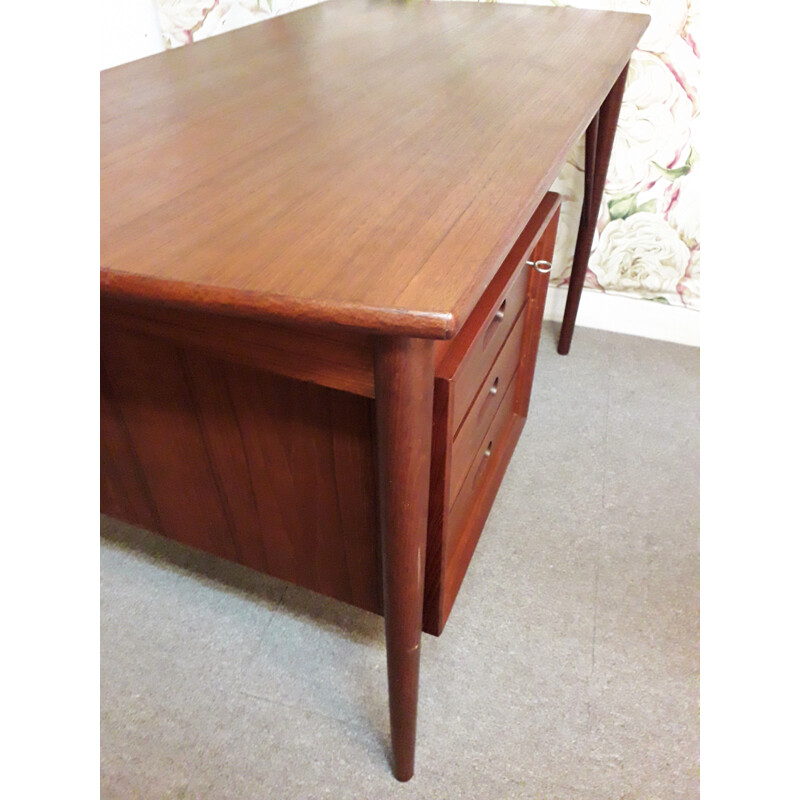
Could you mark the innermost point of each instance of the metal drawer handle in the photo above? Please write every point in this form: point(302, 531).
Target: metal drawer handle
point(540, 266)
point(493, 387)
point(488, 451)
point(501, 312)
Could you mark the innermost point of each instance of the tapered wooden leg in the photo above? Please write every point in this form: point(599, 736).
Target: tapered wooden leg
point(599, 141)
point(404, 414)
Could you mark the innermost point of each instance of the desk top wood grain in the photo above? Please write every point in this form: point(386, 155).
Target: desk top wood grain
point(357, 163)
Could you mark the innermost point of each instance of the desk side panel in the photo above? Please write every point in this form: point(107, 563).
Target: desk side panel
point(271, 472)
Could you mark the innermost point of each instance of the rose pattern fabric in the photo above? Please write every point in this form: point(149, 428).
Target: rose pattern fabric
point(654, 167)
point(683, 206)
point(654, 127)
point(641, 254)
point(187, 21)
point(648, 231)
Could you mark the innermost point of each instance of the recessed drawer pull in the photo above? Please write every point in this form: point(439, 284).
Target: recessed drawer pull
point(493, 387)
point(540, 266)
point(501, 312)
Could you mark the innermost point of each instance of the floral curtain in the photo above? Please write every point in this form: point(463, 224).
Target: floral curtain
point(186, 21)
point(648, 235)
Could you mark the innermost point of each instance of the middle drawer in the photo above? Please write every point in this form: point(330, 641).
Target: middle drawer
point(487, 400)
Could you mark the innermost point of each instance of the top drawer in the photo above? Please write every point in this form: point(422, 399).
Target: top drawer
point(486, 344)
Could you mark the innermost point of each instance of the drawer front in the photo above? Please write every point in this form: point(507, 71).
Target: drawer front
point(486, 344)
point(488, 399)
point(489, 450)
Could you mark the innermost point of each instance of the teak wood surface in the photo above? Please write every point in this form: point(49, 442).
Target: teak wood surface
point(273, 473)
point(356, 162)
point(287, 212)
point(404, 409)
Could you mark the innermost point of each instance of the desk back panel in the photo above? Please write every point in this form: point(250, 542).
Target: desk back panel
point(271, 472)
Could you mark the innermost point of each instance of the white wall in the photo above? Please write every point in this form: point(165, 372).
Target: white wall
point(130, 30)
point(630, 315)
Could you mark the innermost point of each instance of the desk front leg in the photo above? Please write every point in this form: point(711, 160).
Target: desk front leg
point(599, 141)
point(404, 415)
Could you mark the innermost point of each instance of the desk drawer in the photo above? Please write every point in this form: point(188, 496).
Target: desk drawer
point(488, 399)
point(489, 450)
point(486, 342)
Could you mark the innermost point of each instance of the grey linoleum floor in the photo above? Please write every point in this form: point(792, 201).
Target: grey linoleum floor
point(568, 668)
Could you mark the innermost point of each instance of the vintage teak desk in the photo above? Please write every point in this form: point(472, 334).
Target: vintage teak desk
point(325, 241)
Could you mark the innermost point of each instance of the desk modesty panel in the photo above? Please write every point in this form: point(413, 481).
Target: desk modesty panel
point(255, 442)
point(293, 214)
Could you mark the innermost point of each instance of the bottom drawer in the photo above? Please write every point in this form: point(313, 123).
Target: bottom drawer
point(488, 453)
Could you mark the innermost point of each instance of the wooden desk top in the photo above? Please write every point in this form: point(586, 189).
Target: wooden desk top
point(359, 162)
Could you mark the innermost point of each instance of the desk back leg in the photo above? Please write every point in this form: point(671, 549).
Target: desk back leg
point(404, 416)
point(599, 141)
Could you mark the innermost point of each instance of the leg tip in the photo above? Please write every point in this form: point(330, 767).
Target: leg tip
point(404, 775)
point(404, 769)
